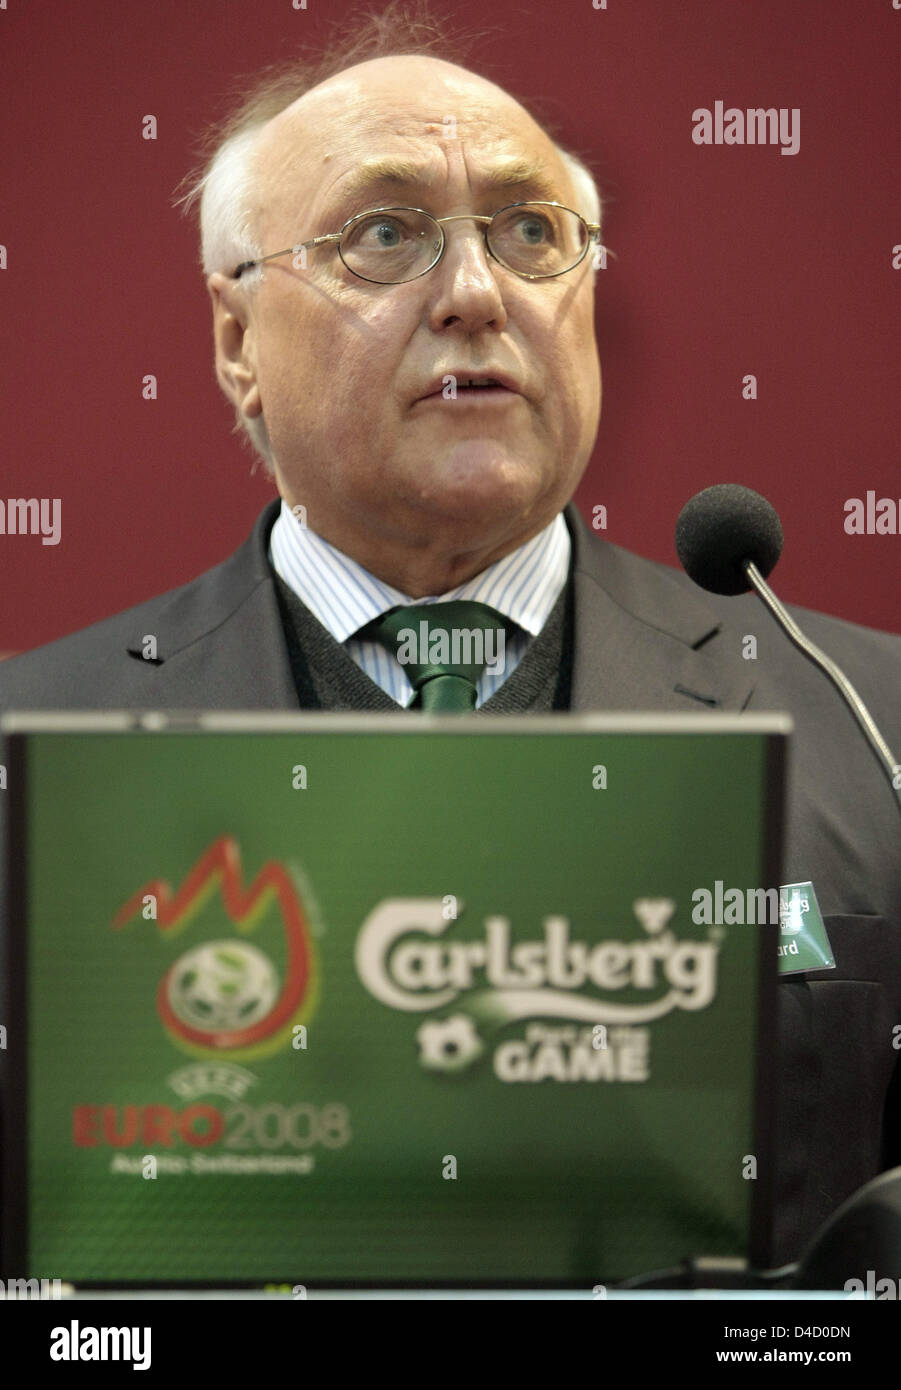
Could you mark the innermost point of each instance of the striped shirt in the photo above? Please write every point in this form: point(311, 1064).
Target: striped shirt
point(523, 586)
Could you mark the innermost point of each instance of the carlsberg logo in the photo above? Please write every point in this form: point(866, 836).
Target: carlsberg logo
point(551, 977)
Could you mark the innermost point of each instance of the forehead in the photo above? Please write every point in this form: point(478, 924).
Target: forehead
point(416, 118)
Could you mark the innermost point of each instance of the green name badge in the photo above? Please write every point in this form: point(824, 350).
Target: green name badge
point(803, 942)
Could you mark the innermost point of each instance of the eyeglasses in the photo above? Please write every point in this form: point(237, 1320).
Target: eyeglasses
point(388, 246)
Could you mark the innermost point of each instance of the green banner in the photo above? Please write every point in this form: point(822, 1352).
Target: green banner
point(348, 1007)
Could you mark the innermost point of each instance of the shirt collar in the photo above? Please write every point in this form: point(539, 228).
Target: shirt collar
point(344, 596)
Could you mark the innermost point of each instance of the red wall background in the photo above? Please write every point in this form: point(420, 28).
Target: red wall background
point(730, 260)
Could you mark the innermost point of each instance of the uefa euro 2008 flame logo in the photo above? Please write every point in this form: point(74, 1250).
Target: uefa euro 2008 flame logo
point(224, 998)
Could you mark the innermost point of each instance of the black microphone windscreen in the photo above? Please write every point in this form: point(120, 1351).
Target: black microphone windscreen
point(722, 527)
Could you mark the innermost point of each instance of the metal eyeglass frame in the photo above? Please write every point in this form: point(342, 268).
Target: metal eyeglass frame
point(592, 228)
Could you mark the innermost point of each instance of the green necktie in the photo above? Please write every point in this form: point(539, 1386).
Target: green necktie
point(443, 648)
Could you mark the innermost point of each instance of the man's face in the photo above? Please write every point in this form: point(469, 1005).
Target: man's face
point(422, 492)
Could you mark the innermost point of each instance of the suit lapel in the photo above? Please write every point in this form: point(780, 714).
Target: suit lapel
point(221, 643)
point(644, 636)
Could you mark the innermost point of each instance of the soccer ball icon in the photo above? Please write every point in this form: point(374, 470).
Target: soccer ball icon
point(451, 1044)
point(222, 986)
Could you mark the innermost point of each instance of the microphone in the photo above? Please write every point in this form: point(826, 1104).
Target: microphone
point(729, 539)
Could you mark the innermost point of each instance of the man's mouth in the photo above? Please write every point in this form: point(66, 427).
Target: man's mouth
point(459, 384)
point(481, 388)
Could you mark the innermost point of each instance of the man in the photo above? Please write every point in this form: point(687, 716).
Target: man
point(348, 358)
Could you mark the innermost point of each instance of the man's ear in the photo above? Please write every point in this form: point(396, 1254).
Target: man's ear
point(234, 343)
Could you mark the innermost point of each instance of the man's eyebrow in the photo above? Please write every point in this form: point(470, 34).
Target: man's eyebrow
point(399, 173)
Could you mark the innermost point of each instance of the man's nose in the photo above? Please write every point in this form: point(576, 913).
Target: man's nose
point(467, 284)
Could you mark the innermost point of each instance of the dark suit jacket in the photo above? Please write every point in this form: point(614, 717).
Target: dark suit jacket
point(645, 638)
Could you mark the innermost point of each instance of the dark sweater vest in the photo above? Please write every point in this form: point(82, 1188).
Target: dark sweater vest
point(326, 677)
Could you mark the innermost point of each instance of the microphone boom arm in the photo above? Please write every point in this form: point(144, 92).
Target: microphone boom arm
point(889, 764)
